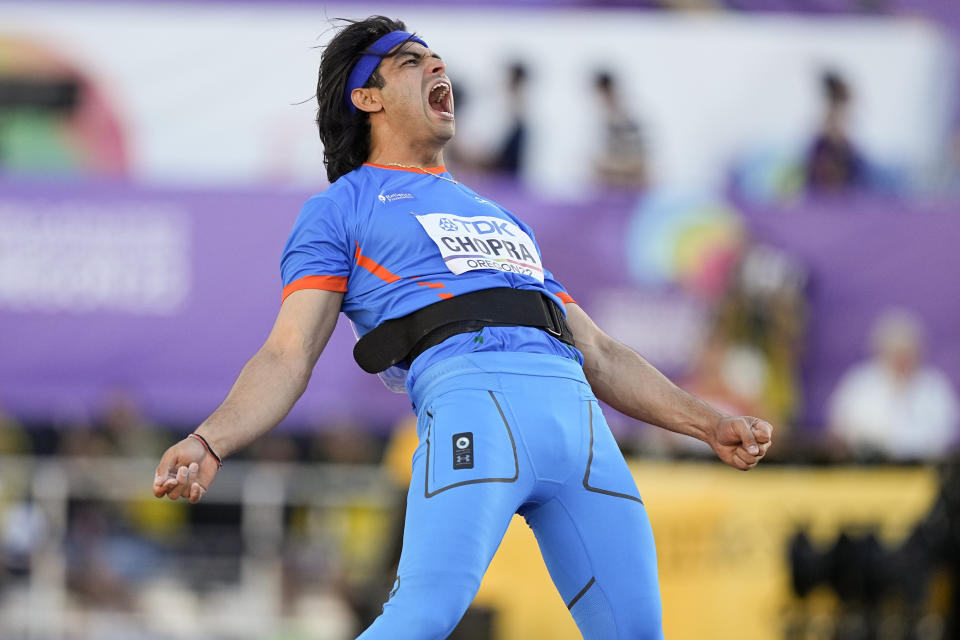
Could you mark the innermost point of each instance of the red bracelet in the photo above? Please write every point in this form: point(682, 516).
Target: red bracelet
point(206, 445)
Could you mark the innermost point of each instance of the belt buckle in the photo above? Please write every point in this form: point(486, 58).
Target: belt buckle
point(553, 313)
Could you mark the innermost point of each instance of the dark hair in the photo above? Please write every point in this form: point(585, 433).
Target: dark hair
point(835, 88)
point(346, 134)
point(603, 81)
point(516, 75)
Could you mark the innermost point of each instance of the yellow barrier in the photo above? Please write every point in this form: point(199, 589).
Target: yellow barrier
point(721, 545)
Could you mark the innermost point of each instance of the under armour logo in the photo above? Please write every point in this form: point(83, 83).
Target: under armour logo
point(463, 451)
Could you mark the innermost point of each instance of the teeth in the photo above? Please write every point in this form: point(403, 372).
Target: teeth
point(440, 92)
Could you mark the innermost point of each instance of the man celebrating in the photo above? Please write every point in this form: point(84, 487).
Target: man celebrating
point(452, 301)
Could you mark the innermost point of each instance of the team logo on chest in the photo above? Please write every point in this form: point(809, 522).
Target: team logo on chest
point(482, 242)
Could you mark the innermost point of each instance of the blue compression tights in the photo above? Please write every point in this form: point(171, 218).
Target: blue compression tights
point(505, 433)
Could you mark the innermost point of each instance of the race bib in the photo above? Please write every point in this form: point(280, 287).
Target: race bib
point(482, 242)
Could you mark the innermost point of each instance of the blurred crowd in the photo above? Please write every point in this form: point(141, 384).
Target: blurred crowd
point(830, 164)
point(78, 524)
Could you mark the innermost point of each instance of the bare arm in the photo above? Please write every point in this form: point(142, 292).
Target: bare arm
point(623, 379)
point(267, 388)
point(276, 376)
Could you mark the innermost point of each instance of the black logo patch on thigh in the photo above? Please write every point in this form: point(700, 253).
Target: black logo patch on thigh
point(463, 450)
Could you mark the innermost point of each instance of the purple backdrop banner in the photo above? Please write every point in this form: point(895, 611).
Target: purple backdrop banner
point(865, 255)
point(165, 294)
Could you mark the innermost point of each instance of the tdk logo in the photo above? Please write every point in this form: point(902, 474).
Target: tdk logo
point(393, 197)
point(481, 226)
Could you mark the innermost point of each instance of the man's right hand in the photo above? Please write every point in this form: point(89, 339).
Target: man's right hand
point(185, 471)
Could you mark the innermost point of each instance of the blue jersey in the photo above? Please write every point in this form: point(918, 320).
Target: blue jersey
point(396, 240)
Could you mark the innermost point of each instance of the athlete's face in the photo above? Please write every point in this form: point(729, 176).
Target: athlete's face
point(417, 96)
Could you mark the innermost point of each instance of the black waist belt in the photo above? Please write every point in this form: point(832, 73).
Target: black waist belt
point(403, 339)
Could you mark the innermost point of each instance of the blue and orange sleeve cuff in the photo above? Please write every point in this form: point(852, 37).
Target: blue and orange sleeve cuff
point(324, 283)
point(565, 297)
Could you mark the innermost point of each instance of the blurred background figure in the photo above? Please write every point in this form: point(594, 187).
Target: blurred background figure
point(510, 157)
point(766, 311)
point(14, 438)
point(506, 155)
point(750, 359)
point(729, 374)
point(893, 405)
point(622, 160)
point(833, 163)
point(124, 427)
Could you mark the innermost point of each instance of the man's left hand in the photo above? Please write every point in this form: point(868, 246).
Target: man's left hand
point(741, 441)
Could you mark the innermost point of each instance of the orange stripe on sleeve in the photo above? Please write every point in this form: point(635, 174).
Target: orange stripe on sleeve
point(565, 297)
point(432, 285)
point(445, 296)
point(326, 283)
point(376, 269)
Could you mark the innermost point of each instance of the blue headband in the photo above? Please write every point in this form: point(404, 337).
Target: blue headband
point(369, 61)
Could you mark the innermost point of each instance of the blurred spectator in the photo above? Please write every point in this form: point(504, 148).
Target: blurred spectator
point(367, 598)
point(277, 447)
point(767, 308)
point(120, 429)
point(22, 525)
point(125, 428)
point(509, 158)
point(833, 164)
point(110, 544)
point(104, 560)
point(506, 158)
point(345, 441)
point(23, 530)
point(622, 160)
point(892, 405)
point(749, 358)
point(14, 439)
point(753, 356)
point(730, 375)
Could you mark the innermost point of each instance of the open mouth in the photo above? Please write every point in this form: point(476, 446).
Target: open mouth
point(440, 99)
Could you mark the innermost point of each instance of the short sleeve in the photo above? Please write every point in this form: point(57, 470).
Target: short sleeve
point(317, 254)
